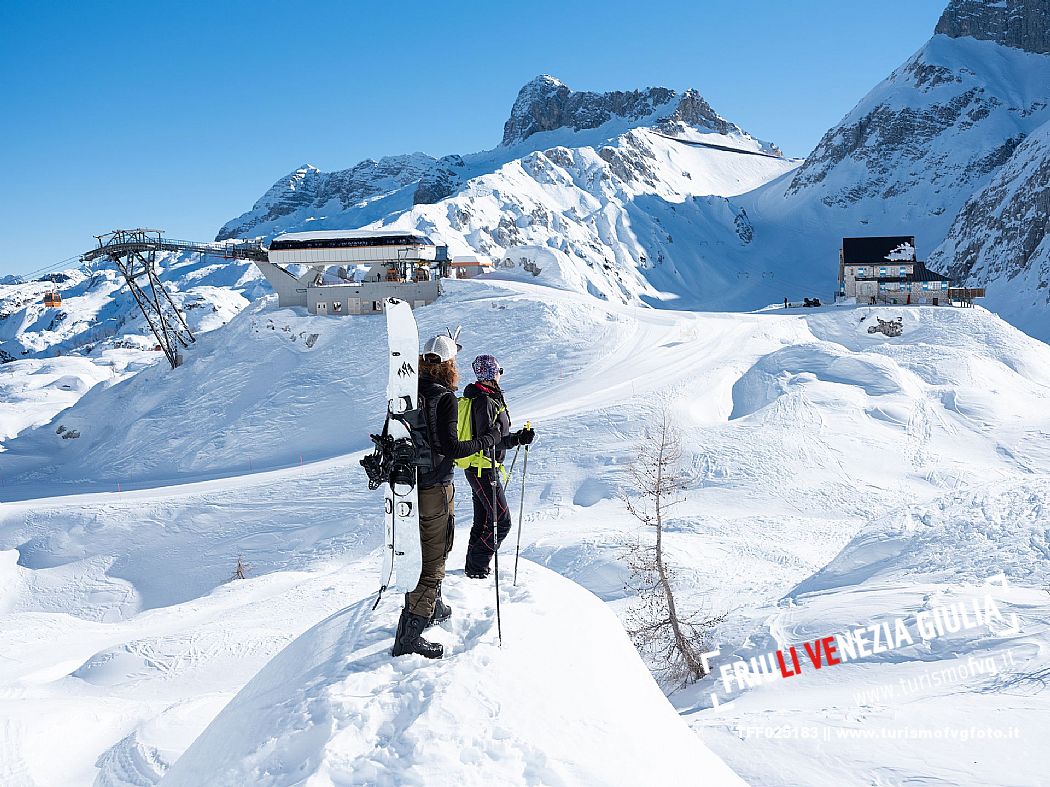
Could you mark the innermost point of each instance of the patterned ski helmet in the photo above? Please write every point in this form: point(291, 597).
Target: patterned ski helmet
point(485, 367)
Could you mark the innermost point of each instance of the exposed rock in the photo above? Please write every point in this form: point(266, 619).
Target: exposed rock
point(1003, 231)
point(439, 182)
point(1021, 24)
point(889, 135)
point(308, 187)
point(694, 111)
point(545, 104)
point(888, 327)
point(744, 229)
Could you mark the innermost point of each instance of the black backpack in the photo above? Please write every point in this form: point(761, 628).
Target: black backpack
point(402, 461)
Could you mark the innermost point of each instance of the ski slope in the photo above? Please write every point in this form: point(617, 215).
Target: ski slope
point(805, 436)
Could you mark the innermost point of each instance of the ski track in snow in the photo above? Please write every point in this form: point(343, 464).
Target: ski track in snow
point(801, 432)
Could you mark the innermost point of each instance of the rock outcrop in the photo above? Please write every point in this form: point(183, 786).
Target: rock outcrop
point(1021, 24)
point(309, 187)
point(546, 104)
point(1001, 237)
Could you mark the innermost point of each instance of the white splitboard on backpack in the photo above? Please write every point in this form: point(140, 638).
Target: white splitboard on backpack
point(402, 558)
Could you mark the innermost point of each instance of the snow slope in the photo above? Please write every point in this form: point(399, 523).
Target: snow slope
point(801, 430)
point(99, 312)
point(32, 391)
point(962, 707)
point(558, 703)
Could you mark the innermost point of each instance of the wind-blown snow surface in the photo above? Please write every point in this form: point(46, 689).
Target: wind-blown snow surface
point(553, 706)
point(33, 390)
point(800, 428)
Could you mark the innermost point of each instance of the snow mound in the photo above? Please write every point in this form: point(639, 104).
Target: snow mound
point(962, 537)
point(779, 371)
point(32, 390)
point(565, 700)
point(544, 265)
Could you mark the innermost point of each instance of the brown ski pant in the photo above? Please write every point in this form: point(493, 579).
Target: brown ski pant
point(437, 526)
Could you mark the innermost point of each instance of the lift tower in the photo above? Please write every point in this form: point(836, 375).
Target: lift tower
point(134, 252)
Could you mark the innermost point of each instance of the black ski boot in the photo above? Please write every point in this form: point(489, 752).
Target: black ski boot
point(408, 639)
point(442, 611)
point(476, 573)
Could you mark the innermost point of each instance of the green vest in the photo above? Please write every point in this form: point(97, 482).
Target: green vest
point(465, 432)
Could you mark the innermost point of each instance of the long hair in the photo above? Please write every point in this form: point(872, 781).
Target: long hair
point(445, 372)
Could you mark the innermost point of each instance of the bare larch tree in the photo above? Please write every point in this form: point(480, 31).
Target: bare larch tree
point(654, 622)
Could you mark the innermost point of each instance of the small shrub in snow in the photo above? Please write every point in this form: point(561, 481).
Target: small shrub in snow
point(240, 571)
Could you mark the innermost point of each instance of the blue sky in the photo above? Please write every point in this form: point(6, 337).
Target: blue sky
point(180, 115)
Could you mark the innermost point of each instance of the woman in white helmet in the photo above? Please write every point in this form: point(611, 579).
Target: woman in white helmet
point(438, 379)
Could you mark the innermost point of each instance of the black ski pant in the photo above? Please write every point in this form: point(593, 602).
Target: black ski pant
point(437, 526)
point(480, 548)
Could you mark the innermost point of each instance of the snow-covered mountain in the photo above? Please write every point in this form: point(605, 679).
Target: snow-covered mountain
point(905, 160)
point(637, 190)
point(592, 175)
point(53, 355)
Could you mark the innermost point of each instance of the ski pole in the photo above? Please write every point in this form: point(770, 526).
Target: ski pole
point(521, 505)
point(513, 462)
point(495, 543)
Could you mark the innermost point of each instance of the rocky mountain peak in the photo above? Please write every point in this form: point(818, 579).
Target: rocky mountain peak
point(693, 110)
point(1021, 24)
point(546, 103)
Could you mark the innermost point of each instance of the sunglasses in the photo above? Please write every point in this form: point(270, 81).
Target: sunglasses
point(501, 370)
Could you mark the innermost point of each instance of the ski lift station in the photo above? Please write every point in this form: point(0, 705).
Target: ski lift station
point(346, 272)
point(396, 263)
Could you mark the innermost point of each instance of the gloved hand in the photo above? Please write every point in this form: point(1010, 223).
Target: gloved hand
point(494, 436)
point(526, 436)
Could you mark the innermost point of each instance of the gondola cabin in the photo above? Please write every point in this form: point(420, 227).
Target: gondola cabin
point(52, 300)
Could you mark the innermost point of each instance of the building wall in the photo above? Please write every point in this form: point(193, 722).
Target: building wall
point(368, 297)
point(862, 281)
point(913, 293)
point(851, 274)
point(470, 271)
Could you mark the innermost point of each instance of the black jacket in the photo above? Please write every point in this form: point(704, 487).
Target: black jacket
point(488, 408)
point(442, 414)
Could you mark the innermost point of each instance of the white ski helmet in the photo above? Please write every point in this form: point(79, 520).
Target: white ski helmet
point(441, 346)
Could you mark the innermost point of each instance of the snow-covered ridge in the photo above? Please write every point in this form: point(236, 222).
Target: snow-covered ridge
point(938, 126)
point(559, 703)
point(546, 104)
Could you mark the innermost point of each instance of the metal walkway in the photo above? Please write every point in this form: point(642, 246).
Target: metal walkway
point(121, 243)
